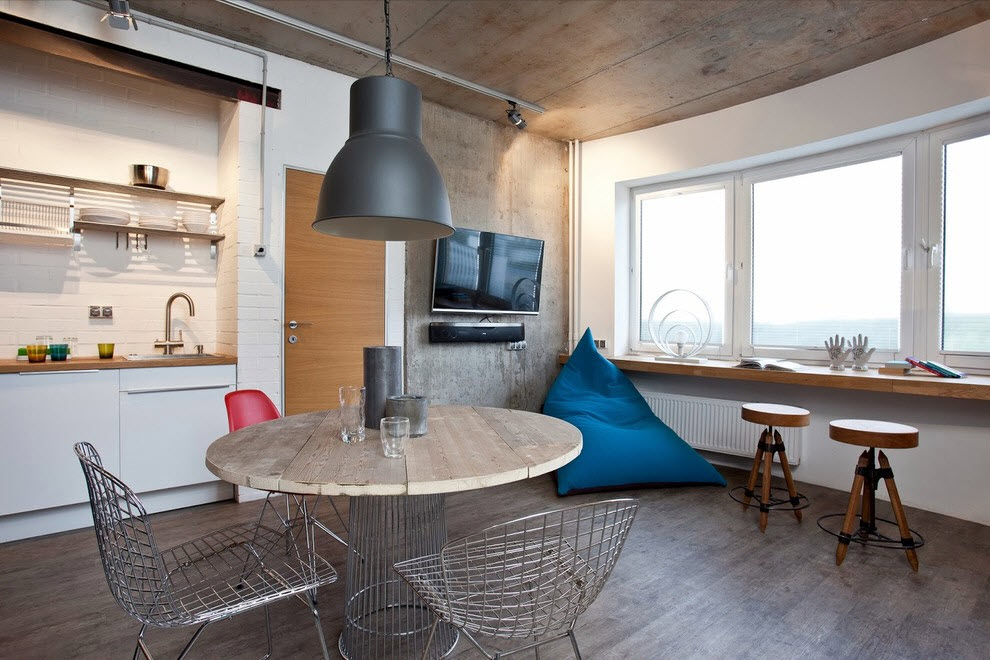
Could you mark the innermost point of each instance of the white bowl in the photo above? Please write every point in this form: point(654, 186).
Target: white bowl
point(196, 227)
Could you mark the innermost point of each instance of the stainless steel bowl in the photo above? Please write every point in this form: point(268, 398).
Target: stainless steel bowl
point(149, 176)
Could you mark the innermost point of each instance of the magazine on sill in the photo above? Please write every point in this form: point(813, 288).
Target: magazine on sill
point(769, 364)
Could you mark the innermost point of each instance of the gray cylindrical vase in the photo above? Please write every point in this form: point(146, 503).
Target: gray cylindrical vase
point(382, 379)
point(412, 406)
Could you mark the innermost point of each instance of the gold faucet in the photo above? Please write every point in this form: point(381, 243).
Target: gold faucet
point(168, 344)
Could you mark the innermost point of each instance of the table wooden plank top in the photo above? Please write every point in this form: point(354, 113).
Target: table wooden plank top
point(467, 447)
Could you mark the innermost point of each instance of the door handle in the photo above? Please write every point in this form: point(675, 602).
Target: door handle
point(66, 371)
point(179, 388)
point(295, 324)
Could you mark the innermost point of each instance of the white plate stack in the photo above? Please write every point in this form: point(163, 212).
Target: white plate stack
point(157, 222)
point(105, 216)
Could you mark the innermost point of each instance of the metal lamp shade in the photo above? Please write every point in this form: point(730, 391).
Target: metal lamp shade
point(383, 185)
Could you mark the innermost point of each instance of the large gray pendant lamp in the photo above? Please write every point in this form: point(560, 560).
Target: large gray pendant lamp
point(383, 185)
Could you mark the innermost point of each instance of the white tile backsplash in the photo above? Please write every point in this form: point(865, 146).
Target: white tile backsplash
point(74, 119)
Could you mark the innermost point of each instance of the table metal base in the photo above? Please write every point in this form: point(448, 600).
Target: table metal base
point(383, 618)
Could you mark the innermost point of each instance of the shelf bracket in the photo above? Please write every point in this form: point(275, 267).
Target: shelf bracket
point(213, 250)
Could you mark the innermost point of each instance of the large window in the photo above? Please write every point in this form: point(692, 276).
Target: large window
point(887, 240)
point(683, 246)
point(827, 256)
point(966, 204)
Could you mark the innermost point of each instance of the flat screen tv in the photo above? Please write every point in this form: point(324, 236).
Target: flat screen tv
point(482, 272)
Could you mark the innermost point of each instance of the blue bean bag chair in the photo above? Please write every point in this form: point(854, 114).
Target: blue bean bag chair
point(625, 445)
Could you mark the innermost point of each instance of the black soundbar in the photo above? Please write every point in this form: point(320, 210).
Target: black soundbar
point(441, 333)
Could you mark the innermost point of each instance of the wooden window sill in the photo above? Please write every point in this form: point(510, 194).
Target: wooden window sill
point(971, 387)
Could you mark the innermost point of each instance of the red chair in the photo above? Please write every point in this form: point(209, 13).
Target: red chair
point(248, 407)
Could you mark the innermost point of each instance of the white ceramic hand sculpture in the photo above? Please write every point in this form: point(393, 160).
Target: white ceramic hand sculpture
point(860, 355)
point(837, 353)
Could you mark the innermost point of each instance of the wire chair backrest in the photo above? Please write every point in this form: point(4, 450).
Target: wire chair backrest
point(134, 568)
point(247, 407)
point(534, 574)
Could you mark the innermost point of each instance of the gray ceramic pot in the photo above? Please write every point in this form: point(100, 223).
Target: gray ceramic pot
point(414, 407)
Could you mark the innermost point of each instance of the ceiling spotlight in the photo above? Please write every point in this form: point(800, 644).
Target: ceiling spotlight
point(514, 117)
point(119, 15)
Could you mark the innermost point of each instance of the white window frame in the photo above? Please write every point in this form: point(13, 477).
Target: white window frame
point(937, 140)
point(922, 226)
point(688, 186)
point(845, 247)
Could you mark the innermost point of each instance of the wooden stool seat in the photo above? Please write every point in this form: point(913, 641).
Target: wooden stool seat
point(772, 414)
point(871, 433)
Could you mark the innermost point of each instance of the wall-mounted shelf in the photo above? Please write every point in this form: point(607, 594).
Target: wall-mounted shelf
point(104, 186)
point(83, 226)
point(41, 205)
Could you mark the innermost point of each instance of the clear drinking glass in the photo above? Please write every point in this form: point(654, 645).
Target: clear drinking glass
point(352, 413)
point(395, 433)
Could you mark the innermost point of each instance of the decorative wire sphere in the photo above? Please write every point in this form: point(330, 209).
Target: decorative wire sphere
point(675, 327)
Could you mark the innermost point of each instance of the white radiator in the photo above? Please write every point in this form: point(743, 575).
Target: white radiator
point(715, 425)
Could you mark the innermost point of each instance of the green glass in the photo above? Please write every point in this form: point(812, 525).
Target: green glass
point(58, 352)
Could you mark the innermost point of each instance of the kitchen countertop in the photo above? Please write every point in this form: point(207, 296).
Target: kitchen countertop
point(9, 366)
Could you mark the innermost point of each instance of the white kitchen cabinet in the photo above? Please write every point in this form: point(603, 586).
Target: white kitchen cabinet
point(42, 414)
point(168, 417)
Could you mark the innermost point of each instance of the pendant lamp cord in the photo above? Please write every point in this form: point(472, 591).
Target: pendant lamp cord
point(388, 42)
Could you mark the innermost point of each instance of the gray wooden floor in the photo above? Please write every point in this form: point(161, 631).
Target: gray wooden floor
point(696, 580)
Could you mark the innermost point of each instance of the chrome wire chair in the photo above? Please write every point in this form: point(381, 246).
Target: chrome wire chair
point(530, 577)
point(208, 579)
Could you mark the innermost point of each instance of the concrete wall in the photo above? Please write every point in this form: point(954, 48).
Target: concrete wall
point(504, 180)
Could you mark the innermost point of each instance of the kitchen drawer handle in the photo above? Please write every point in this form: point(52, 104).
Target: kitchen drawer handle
point(181, 388)
point(65, 371)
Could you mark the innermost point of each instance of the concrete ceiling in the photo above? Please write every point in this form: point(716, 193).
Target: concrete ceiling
point(599, 67)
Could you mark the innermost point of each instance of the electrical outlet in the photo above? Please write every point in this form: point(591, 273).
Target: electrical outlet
point(94, 311)
point(107, 312)
point(516, 345)
point(601, 344)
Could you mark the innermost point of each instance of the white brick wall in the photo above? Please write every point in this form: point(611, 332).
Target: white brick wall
point(79, 120)
point(305, 133)
point(250, 288)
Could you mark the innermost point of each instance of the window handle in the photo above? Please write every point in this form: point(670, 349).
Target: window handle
point(730, 273)
point(932, 250)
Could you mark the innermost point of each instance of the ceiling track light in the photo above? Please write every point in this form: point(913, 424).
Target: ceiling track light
point(119, 15)
point(515, 118)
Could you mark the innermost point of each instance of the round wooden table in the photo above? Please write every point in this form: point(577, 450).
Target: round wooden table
point(396, 505)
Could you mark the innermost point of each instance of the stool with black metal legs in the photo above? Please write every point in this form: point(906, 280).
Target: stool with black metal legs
point(873, 435)
point(771, 415)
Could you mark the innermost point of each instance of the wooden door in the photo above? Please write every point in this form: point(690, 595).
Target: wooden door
point(335, 292)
